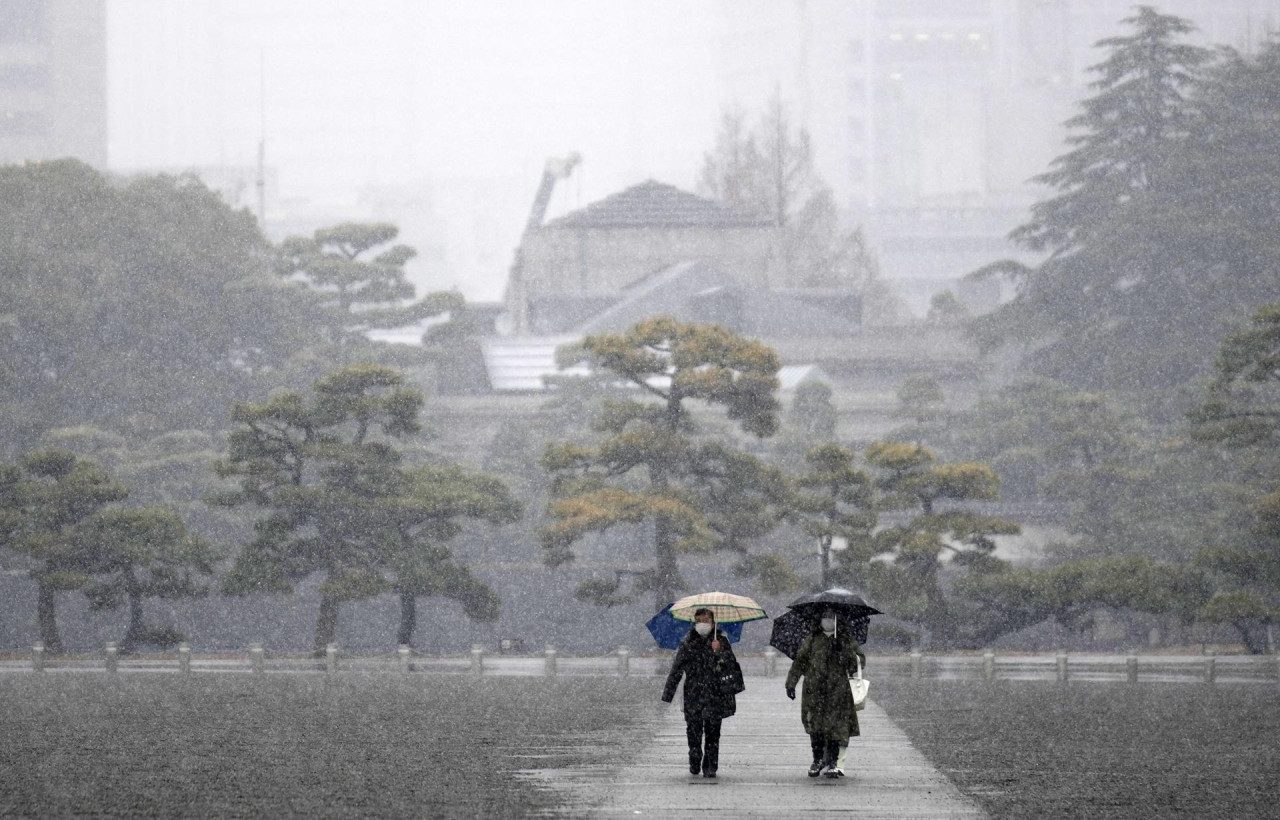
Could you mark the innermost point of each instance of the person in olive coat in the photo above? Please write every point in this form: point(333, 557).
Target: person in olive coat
point(826, 661)
point(704, 659)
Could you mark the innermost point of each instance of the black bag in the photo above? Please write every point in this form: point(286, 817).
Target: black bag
point(730, 679)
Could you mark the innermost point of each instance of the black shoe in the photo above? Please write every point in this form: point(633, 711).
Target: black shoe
point(816, 768)
point(694, 768)
point(708, 774)
point(830, 770)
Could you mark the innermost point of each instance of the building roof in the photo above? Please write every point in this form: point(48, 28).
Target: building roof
point(653, 204)
point(664, 293)
point(791, 376)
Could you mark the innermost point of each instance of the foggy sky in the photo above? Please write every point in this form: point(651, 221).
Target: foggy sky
point(464, 100)
point(374, 91)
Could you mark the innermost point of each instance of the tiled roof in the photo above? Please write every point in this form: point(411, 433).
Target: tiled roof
point(654, 204)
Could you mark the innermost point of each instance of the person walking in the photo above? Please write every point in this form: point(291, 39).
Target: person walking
point(712, 677)
point(826, 660)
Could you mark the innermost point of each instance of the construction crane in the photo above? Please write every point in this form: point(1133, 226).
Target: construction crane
point(557, 168)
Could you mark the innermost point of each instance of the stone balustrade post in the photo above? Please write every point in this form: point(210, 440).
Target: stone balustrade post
point(184, 658)
point(331, 658)
point(988, 665)
point(402, 654)
point(37, 658)
point(257, 659)
point(1131, 668)
point(112, 654)
point(549, 661)
point(624, 662)
point(1210, 671)
point(1062, 667)
point(915, 664)
point(477, 659)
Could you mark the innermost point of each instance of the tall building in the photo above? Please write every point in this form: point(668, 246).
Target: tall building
point(53, 91)
point(929, 117)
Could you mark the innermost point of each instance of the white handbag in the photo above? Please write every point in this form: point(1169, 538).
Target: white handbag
point(860, 686)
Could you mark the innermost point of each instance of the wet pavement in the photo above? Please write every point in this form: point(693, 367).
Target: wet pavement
point(764, 755)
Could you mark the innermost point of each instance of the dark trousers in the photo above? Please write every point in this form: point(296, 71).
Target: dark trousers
point(707, 758)
point(824, 750)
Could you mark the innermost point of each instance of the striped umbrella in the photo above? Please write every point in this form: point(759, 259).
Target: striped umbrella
point(726, 607)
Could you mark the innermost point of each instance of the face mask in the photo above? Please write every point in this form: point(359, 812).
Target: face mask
point(828, 625)
point(703, 629)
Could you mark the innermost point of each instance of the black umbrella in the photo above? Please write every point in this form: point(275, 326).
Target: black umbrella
point(789, 631)
point(791, 628)
point(844, 601)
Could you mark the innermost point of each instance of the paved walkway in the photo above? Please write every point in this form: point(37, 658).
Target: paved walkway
point(764, 755)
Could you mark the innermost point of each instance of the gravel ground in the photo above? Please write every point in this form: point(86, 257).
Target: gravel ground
point(233, 745)
point(1098, 750)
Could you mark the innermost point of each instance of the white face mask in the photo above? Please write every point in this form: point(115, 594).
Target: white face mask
point(703, 629)
point(828, 625)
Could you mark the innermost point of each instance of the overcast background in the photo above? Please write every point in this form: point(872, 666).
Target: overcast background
point(440, 114)
point(386, 93)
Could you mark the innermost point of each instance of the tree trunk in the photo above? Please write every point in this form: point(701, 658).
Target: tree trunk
point(408, 617)
point(132, 635)
point(935, 612)
point(1254, 639)
point(326, 623)
point(826, 562)
point(667, 575)
point(47, 616)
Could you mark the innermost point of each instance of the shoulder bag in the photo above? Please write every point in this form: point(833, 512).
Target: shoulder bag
point(860, 686)
point(730, 678)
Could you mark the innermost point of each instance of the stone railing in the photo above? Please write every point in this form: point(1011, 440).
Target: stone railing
point(988, 666)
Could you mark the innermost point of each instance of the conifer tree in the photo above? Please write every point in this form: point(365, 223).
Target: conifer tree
point(144, 553)
point(359, 284)
point(339, 501)
point(910, 479)
point(833, 499)
point(644, 469)
point(44, 503)
point(1109, 305)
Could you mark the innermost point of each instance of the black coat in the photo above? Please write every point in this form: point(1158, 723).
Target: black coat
point(702, 669)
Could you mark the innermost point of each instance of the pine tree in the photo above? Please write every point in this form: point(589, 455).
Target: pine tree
point(909, 479)
point(834, 499)
point(144, 553)
point(45, 501)
point(360, 285)
point(643, 470)
point(429, 512)
point(339, 501)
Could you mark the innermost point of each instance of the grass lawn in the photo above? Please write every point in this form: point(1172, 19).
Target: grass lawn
point(233, 745)
point(1098, 750)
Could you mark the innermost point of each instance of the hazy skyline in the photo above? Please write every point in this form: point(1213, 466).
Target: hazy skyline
point(440, 114)
point(374, 92)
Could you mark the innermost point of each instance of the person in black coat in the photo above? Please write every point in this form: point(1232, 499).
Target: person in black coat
point(711, 678)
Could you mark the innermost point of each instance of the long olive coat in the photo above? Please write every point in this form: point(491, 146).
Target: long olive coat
point(702, 668)
point(826, 664)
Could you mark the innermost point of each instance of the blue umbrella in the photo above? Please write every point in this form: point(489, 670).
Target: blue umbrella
point(668, 631)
